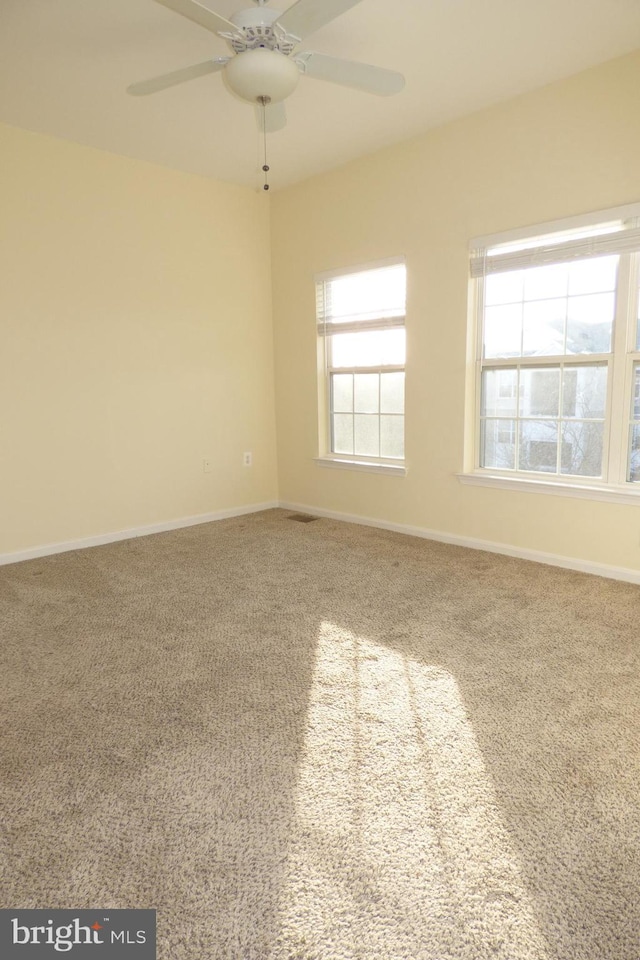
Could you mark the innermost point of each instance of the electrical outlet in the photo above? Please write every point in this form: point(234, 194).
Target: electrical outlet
point(247, 459)
point(207, 465)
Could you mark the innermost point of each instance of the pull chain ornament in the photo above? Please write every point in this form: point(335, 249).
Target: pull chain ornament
point(263, 101)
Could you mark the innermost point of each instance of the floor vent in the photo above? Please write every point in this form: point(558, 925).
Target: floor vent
point(302, 518)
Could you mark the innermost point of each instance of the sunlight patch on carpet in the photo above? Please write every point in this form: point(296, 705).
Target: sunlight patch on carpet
point(398, 848)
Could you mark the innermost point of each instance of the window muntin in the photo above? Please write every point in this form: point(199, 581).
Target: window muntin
point(559, 345)
point(367, 414)
point(544, 419)
point(361, 323)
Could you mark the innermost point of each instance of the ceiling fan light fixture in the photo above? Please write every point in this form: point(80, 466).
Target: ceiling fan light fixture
point(262, 73)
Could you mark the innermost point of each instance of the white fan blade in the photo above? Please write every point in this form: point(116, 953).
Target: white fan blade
point(348, 73)
point(307, 16)
point(273, 118)
point(155, 84)
point(199, 14)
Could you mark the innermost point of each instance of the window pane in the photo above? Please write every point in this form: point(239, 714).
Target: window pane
point(376, 348)
point(392, 437)
point(498, 444)
point(503, 288)
point(590, 322)
point(584, 392)
point(540, 394)
point(594, 275)
point(538, 448)
point(503, 331)
point(634, 459)
point(366, 435)
point(636, 393)
point(366, 392)
point(506, 431)
point(541, 283)
point(544, 323)
point(342, 433)
point(565, 308)
point(499, 393)
point(581, 454)
point(370, 294)
point(342, 392)
point(392, 393)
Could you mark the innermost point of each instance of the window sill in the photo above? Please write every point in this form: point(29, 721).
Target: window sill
point(608, 493)
point(396, 470)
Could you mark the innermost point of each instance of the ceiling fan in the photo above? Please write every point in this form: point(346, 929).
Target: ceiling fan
point(264, 66)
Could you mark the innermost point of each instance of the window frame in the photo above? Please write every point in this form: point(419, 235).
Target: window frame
point(327, 457)
point(622, 361)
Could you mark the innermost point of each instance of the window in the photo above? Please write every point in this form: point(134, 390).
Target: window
point(558, 352)
point(360, 318)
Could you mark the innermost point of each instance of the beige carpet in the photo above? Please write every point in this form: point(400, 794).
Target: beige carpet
point(324, 742)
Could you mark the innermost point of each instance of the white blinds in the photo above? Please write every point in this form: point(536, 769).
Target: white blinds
point(485, 262)
point(357, 302)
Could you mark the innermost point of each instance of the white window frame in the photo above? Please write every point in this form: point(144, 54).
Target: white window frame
point(326, 457)
point(614, 485)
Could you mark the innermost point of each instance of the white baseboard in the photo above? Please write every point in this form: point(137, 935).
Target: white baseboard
point(50, 548)
point(625, 574)
point(570, 563)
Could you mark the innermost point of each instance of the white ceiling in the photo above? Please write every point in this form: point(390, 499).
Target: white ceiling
point(65, 64)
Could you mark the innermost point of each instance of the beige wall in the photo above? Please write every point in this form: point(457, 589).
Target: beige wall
point(135, 340)
point(568, 149)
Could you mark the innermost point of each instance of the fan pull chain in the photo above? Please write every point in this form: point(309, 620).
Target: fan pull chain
point(263, 101)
